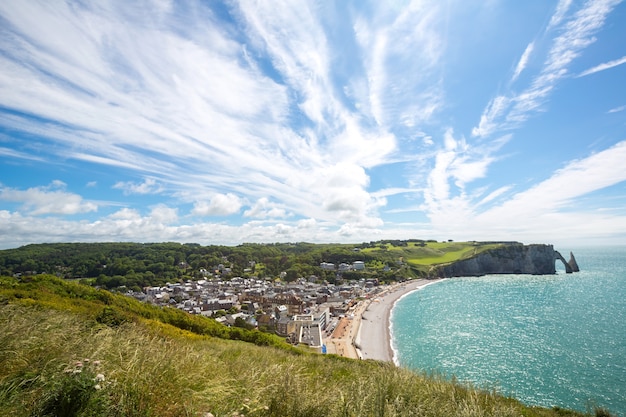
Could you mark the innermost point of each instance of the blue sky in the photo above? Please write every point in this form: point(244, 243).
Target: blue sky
point(271, 121)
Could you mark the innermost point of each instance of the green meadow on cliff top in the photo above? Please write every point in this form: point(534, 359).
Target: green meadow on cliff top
point(427, 253)
point(71, 350)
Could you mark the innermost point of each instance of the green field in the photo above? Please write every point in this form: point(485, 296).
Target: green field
point(426, 254)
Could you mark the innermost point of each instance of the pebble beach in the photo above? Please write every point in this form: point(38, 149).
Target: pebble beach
point(373, 338)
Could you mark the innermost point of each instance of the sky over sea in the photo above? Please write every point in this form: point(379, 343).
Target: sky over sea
point(321, 121)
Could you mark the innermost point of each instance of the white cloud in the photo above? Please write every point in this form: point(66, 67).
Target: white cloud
point(489, 119)
point(148, 186)
point(554, 207)
point(495, 194)
point(163, 214)
point(125, 214)
point(264, 208)
point(129, 225)
point(291, 33)
point(218, 205)
point(617, 109)
point(224, 114)
point(184, 102)
point(51, 199)
point(307, 223)
point(456, 163)
point(523, 61)
point(509, 111)
point(386, 192)
point(551, 207)
point(340, 191)
point(17, 154)
point(578, 178)
point(402, 86)
point(604, 66)
point(560, 12)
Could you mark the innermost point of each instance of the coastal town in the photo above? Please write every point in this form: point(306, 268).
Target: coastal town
point(305, 311)
point(324, 316)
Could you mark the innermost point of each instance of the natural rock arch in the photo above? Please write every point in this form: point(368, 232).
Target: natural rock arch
point(570, 266)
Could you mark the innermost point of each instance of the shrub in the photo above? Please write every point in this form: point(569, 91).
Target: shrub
point(79, 390)
point(112, 317)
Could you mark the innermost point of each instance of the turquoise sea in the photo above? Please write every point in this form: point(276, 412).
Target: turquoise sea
point(551, 340)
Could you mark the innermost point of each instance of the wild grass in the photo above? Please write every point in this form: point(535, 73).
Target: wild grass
point(57, 359)
point(139, 371)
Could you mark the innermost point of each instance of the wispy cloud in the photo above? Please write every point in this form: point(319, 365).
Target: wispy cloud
point(20, 155)
point(617, 109)
point(604, 66)
point(511, 110)
point(557, 193)
point(595, 172)
point(523, 61)
point(402, 87)
point(559, 14)
point(263, 104)
point(277, 112)
point(495, 194)
point(456, 165)
point(548, 205)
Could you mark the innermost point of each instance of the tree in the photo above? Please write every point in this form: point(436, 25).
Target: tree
point(240, 322)
point(292, 274)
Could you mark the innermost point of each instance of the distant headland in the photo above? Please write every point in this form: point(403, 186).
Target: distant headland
point(508, 258)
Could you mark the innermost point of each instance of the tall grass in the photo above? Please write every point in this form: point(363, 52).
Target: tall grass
point(136, 369)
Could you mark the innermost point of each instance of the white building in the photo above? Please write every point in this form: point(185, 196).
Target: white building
point(358, 265)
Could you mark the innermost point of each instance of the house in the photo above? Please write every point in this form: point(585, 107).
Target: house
point(327, 266)
point(285, 326)
point(232, 318)
point(267, 320)
point(281, 311)
point(344, 267)
point(311, 335)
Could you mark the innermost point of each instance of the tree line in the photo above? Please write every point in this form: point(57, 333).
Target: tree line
point(136, 265)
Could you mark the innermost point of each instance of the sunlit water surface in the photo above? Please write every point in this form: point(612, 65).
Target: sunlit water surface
point(555, 340)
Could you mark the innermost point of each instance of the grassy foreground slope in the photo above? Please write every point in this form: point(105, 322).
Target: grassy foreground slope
point(68, 349)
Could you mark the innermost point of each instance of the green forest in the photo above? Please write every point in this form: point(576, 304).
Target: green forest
point(137, 265)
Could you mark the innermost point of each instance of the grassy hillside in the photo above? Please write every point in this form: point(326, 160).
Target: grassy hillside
point(70, 350)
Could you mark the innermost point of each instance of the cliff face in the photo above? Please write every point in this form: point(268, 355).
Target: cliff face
point(509, 259)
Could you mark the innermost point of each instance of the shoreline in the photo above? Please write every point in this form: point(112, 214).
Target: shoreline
point(373, 335)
